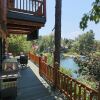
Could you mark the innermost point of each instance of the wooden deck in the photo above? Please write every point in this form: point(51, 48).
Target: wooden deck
point(31, 86)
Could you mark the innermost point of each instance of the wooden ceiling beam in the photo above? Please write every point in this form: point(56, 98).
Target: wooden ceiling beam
point(26, 23)
point(18, 32)
point(21, 29)
point(20, 26)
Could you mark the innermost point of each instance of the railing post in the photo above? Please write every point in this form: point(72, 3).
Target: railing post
point(29, 55)
point(40, 67)
point(99, 92)
point(44, 7)
point(45, 58)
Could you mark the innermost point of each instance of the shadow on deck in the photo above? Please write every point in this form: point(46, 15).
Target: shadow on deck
point(30, 87)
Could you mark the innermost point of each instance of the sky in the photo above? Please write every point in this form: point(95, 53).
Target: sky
point(72, 12)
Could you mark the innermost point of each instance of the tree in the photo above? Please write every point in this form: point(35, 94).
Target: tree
point(93, 15)
point(57, 39)
point(75, 46)
point(86, 43)
point(45, 43)
point(57, 31)
point(97, 45)
point(18, 43)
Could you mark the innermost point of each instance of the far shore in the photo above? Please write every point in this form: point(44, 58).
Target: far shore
point(73, 55)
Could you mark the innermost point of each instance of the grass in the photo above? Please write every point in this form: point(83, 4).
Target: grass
point(66, 71)
point(70, 53)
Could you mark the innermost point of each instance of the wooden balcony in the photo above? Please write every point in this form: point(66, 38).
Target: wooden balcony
point(23, 16)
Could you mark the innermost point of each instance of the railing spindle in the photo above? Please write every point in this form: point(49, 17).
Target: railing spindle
point(44, 8)
point(75, 89)
point(91, 95)
point(64, 83)
point(99, 91)
point(67, 87)
point(29, 5)
point(23, 4)
point(35, 5)
point(20, 4)
point(79, 92)
point(26, 5)
point(32, 6)
point(84, 94)
point(70, 89)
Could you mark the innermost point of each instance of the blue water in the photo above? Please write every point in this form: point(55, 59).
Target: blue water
point(69, 63)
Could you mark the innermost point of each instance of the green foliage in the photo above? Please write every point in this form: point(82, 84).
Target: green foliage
point(75, 46)
point(93, 15)
point(85, 79)
point(45, 43)
point(50, 58)
point(97, 45)
point(66, 71)
point(85, 43)
point(90, 66)
point(18, 43)
point(97, 53)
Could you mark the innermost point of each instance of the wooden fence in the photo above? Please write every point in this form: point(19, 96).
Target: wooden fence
point(72, 88)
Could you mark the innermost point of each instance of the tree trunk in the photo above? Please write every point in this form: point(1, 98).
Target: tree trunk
point(57, 41)
point(57, 32)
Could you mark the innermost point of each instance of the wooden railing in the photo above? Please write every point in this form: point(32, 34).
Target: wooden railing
point(34, 58)
point(72, 88)
point(36, 7)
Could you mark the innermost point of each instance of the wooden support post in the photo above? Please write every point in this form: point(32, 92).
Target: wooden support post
point(3, 48)
point(10, 3)
point(0, 12)
point(3, 17)
point(3, 11)
point(0, 53)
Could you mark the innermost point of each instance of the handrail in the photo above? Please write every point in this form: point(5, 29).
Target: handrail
point(36, 7)
point(34, 58)
point(72, 88)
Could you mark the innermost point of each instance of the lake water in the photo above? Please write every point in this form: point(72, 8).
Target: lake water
point(69, 63)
